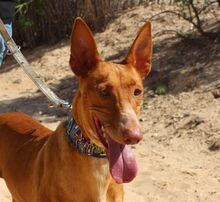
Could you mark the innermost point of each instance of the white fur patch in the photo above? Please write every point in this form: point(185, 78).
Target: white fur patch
point(101, 173)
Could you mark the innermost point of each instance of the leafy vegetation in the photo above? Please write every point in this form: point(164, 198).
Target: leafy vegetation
point(48, 21)
point(192, 12)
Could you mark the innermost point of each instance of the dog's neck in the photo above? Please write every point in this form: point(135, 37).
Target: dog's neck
point(84, 120)
point(80, 143)
point(80, 114)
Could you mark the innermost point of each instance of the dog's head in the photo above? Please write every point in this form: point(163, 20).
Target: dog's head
point(109, 98)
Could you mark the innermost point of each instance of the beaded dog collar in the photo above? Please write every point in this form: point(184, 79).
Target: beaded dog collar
point(83, 145)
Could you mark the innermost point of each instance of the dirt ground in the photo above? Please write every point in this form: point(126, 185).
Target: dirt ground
point(179, 159)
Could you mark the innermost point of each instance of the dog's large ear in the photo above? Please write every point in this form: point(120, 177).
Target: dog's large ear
point(141, 51)
point(84, 54)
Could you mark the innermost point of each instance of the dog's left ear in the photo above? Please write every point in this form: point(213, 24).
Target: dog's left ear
point(84, 54)
point(141, 51)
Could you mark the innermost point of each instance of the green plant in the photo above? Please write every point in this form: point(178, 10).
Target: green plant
point(21, 13)
point(161, 89)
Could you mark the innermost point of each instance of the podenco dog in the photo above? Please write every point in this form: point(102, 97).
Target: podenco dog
point(88, 157)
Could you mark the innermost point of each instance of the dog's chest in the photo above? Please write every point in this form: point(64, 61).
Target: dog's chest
point(102, 177)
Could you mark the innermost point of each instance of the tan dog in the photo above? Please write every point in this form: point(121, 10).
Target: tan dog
point(40, 165)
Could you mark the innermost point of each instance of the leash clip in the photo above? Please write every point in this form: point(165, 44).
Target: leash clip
point(15, 50)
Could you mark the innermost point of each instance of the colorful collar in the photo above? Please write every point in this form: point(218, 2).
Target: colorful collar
point(76, 138)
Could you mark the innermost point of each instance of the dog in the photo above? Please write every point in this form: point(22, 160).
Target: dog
point(88, 157)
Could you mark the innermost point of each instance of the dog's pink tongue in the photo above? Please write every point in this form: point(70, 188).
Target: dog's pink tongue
point(122, 162)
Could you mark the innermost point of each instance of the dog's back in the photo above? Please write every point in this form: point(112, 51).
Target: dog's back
point(21, 138)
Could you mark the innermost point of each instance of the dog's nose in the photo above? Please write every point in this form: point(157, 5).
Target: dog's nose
point(132, 135)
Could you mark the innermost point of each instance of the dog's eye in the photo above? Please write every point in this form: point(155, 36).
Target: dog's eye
point(105, 92)
point(137, 92)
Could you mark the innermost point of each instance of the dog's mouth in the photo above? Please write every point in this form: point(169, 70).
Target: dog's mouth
point(122, 163)
point(101, 132)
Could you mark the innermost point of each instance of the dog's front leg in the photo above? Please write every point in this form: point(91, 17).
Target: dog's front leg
point(115, 192)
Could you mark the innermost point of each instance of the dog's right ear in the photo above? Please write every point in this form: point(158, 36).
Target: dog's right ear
point(84, 54)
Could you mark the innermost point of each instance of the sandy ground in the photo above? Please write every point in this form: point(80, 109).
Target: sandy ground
point(179, 158)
